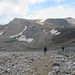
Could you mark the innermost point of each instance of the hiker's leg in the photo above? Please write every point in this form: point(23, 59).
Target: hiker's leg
point(44, 53)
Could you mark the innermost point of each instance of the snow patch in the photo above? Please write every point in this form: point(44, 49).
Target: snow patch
point(1, 33)
point(24, 29)
point(53, 31)
point(19, 33)
point(16, 35)
point(57, 33)
point(23, 38)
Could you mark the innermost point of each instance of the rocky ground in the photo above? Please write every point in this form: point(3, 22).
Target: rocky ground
point(35, 63)
point(23, 63)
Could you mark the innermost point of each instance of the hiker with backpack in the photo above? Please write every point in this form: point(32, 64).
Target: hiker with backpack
point(45, 50)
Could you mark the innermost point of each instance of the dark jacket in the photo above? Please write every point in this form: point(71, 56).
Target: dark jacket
point(45, 49)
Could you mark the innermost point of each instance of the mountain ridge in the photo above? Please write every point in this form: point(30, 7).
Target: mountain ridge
point(24, 34)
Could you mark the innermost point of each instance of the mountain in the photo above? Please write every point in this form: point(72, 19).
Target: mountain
point(24, 34)
point(59, 22)
point(71, 21)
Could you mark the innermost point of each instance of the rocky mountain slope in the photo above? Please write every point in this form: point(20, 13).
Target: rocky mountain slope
point(23, 34)
point(71, 21)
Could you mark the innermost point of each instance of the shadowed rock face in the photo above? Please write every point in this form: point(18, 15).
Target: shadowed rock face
point(24, 34)
point(59, 22)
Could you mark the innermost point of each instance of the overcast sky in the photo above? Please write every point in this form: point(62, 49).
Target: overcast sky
point(33, 9)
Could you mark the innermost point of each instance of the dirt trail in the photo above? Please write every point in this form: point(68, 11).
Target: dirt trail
point(42, 65)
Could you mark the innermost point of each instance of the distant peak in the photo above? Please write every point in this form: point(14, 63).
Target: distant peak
point(69, 18)
point(16, 19)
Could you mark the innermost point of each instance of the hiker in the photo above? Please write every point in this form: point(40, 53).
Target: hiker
point(63, 49)
point(45, 49)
